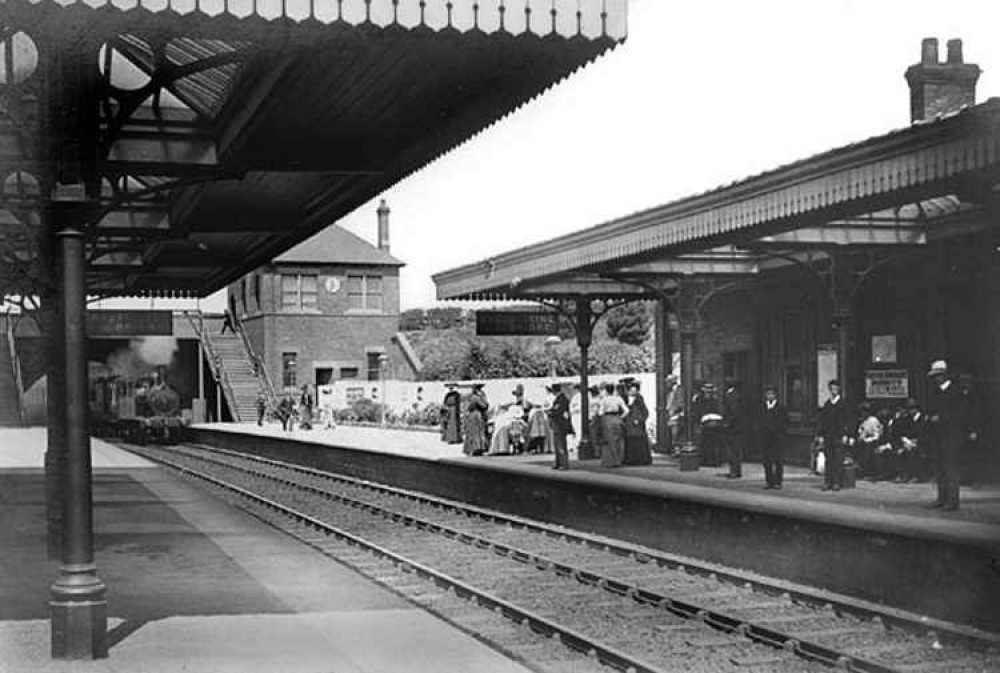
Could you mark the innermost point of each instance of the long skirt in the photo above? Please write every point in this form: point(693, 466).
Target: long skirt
point(614, 441)
point(451, 431)
point(637, 450)
point(475, 434)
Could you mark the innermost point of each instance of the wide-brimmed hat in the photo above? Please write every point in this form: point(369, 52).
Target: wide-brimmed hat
point(938, 367)
point(708, 386)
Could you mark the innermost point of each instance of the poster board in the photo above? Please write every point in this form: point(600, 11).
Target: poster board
point(887, 384)
point(827, 365)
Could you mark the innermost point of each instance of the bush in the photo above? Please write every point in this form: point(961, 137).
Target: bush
point(428, 416)
point(361, 410)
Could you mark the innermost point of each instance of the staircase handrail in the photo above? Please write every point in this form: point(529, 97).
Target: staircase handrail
point(258, 367)
point(214, 361)
point(15, 363)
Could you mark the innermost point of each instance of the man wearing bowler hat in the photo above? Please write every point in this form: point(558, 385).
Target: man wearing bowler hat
point(948, 423)
point(559, 421)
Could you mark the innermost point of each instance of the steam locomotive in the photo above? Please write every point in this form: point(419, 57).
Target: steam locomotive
point(147, 410)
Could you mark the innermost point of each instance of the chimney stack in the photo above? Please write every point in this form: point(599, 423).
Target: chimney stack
point(383, 226)
point(940, 88)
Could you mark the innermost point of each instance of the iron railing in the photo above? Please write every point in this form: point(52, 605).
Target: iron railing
point(214, 361)
point(259, 368)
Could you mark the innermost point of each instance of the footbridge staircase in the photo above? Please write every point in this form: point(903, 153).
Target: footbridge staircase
point(241, 374)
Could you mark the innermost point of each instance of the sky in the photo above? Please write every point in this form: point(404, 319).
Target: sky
point(701, 94)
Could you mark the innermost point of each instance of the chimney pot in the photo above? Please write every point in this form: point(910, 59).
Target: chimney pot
point(938, 89)
point(383, 225)
point(955, 52)
point(929, 51)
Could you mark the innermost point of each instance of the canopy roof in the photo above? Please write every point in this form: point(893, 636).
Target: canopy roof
point(199, 139)
point(908, 187)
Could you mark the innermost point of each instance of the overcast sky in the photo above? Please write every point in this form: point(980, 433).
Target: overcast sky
point(702, 93)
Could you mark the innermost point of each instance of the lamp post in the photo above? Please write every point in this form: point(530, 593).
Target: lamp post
point(550, 344)
point(383, 362)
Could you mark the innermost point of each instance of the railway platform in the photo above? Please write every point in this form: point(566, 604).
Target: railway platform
point(199, 586)
point(980, 502)
point(879, 542)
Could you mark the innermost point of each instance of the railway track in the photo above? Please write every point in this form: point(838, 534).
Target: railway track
point(610, 603)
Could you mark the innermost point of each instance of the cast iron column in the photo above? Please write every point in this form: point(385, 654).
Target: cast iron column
point(687, 378)
point(51, 322)
point(842, 319)
point(78, 607)
point(584, 330)
point(664, 367)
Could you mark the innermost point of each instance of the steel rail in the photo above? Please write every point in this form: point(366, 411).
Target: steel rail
point(569, 637)
point(719, 620)
point(888, 616)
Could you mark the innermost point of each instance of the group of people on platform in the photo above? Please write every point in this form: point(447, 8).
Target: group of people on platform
point(296, 406)
point(617, 417)
point(908, 444)
point(902, 444)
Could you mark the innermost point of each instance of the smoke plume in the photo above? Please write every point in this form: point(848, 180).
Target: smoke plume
point(142, 356)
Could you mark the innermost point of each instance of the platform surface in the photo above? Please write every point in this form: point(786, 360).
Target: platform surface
point(196, 585)
point(869, 501)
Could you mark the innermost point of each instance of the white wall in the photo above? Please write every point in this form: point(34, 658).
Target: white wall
point(402, 395)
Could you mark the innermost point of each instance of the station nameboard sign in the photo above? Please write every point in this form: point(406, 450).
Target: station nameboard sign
point(130, 323)
point(887, 384)
point(517, 323)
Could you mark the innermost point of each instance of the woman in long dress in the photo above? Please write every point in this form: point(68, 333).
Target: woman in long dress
point(612, 411)
point(451, 414)
point(636, 440)
point(475, 422)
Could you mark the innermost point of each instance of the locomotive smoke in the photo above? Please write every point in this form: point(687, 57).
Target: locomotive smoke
point(142, 356)
point(156, 350)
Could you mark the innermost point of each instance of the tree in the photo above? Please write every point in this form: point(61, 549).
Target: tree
point(444, 318)
point(629, 324)
point(413, 320)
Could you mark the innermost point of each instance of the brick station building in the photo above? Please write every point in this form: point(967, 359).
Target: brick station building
point(327, 310)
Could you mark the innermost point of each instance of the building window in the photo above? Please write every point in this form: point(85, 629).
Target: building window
point(288, 370)
point(348, 372)
point(243, 296)
point(308, 285)
point(256, 290)
point(298, 292)
point(364, 293)
point(374, 366)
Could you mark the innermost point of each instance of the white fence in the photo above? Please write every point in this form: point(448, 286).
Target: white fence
point(400, 396)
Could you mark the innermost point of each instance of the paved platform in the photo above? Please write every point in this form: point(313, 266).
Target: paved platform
point(980, 503)
point(195, 585)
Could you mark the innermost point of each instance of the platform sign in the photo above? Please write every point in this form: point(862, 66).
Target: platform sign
point(887, 384)
point(517, 323)
point(130, 323)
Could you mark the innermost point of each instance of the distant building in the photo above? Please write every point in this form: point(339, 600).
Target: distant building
point(327, 310)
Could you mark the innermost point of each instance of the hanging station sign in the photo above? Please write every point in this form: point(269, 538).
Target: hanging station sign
point(130, 323)
point(517, 323)
point(887, 384)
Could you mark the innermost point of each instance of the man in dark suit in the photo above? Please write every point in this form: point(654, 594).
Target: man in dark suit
point(834, 424)
point(948, 419)
point(561, 426)
point(732, 406)
point(771, 426)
